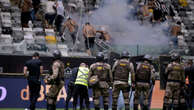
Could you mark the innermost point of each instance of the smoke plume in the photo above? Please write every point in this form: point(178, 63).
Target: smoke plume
point(114, 14)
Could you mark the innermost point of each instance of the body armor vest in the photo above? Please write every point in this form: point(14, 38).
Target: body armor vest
point(143, 73)
point(60, 72)
point(175, 73)
point(122, 71)
point(101, 70)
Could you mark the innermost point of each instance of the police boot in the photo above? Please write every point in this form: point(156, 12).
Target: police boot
point(81, 107)
point(145, 107)
point(74, 107)
point(135, 107)
point(54, 107)
point(97, 108)
point(66, 105)
point(183, 107)
point(166, 107)
point(32, 107)
point(105, 107)
point(176, 108)
point(127, 108)
point(87, 107)
point(113, 108)
point(50, 107)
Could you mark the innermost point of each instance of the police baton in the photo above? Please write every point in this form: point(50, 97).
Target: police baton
point(150, 91)
point(131, 92)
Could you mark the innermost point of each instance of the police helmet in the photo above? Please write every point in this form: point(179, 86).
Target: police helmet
point(125, 54)
point(147, 58)
point(57, 54)
point(100, 57)
point(175, 57)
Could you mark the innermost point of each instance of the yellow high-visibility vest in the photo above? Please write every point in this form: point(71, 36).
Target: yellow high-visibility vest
point(82, 76)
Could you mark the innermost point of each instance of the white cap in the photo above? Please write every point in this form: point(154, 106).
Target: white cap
point(103, 28)
point(68, 17)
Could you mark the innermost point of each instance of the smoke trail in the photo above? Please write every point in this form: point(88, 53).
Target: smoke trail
point(124, 31)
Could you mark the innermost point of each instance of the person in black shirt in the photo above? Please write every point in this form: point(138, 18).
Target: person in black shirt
point(189, 72)
point(32, 70)
point(71, 86)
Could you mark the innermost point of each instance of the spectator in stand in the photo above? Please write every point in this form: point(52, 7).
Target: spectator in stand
point(26, 8)
point(72, 28)
point(89, 33)
point(50, 13)
point(144, 13)
point(105, 36)
point(175, 31)
point(60, 16)
point(36, 6)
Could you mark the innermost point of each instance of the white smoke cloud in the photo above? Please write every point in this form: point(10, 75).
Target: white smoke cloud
point(124, 31)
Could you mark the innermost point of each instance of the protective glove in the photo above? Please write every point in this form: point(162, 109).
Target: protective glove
point(133, 87)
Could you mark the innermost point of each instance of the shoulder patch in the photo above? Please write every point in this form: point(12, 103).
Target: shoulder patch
point(99, 68)
point(122, 64)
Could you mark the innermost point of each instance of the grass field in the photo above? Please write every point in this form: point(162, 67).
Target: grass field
point(45, 109)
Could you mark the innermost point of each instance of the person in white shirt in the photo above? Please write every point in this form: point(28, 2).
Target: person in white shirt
point(60, 16)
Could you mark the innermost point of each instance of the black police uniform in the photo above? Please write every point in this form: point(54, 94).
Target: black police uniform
point(189, 71)
point(71, 86)
point(33, 78)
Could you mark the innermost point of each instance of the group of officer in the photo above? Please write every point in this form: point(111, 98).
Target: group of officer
point(122, 77)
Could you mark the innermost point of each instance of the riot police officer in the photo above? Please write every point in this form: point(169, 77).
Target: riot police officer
point(144, 74)
point(71, 87)
point(100, 73)
point(56, 80)
point(121, 70)
point(175, 81)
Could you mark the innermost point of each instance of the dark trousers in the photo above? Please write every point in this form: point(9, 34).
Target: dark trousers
point(58, 23)
point(69, 94)
point(89, 42)
point(73, 36)
point(25, 17)
point(34, 88)
point(191, 97)
point(50, 17)
point(82, 92)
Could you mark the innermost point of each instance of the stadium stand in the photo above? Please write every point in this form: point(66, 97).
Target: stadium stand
point(38, 37)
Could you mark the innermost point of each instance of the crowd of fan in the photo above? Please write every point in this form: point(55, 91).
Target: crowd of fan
point(176, 13)
point(54, 14)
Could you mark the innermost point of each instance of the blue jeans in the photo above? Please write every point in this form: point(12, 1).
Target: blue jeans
point(120, 104)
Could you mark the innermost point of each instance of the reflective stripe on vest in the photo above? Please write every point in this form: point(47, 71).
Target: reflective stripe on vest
point(82, 76)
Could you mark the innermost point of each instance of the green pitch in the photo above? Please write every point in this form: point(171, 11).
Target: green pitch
point(39, 109)
point(45, 109)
